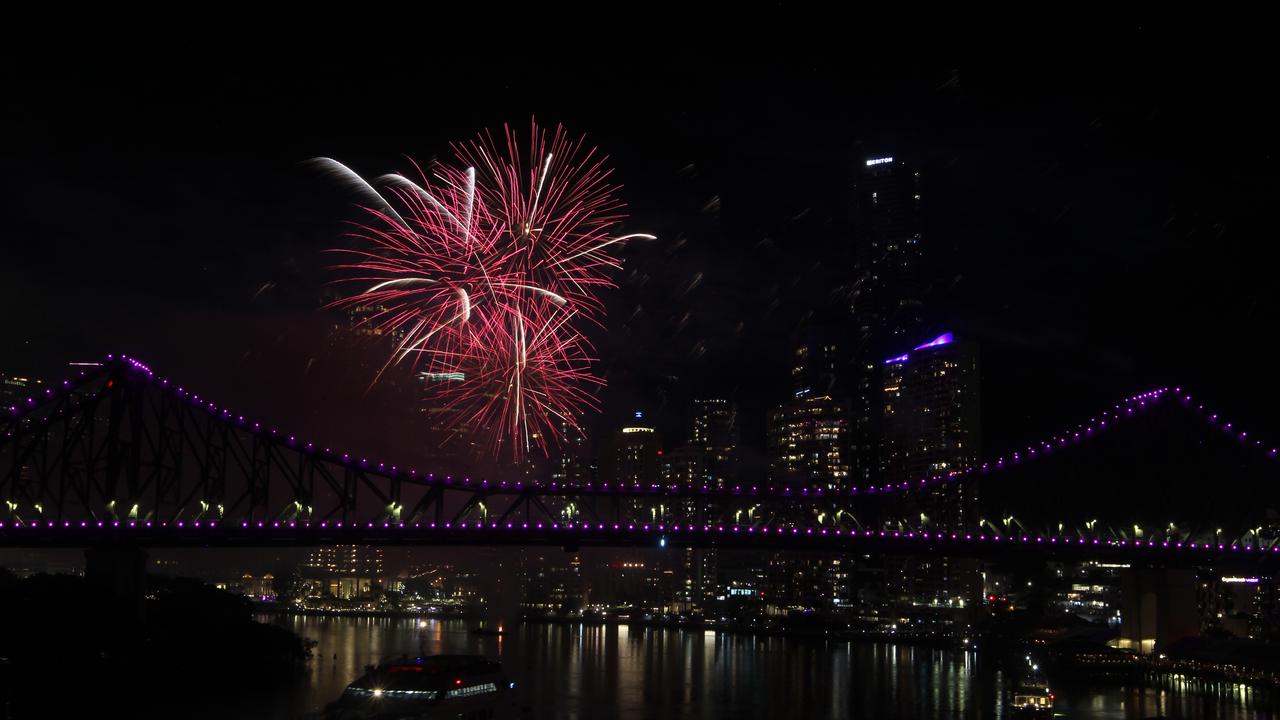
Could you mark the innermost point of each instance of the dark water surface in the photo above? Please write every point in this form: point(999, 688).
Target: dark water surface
point(570, 671)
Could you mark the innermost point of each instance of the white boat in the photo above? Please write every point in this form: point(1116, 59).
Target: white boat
point(433, 686)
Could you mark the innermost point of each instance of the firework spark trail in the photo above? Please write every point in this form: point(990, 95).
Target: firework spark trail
point(484, 273)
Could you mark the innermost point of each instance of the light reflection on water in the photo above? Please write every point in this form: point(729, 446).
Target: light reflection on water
point(568, 671)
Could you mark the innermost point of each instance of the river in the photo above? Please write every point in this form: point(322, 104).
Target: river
point(571, 671)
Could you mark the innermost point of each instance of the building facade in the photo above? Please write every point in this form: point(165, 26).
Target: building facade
point(808, 442)
point(932, 426)
point(710, 457)
point(633, 454)
point(573, 465)
point(344, 571)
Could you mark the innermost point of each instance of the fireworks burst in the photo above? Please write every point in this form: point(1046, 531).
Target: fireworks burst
point(486, 272)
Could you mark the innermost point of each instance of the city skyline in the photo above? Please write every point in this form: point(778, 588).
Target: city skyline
point(840, 383)
point(262, 303)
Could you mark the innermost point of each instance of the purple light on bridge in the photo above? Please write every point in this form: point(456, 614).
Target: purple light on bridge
point(1126, 407)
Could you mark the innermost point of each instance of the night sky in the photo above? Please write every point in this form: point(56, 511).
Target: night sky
point(1099, 226)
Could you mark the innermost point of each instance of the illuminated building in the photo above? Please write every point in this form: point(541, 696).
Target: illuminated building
point(15, 389)
point(806, 583)
point(552, 581)
point(715, 424)
point(361, 320)
point(934, 594)
point(639, 580)
point(931, 426)
point(888, 227)
point(633, 454)
point(1089, 590)
point(711, 455)
point(808, 436)
point(258, 588)
point(808, 442)
point(817, 364)
point(709, 458)
point(699, 575)
point(456, 446)
point(1245, 605)
point(344, 571)
point(887, 291)
point(573, 465)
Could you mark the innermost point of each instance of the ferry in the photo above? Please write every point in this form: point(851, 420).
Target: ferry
point(434, 686)
point(1032, 700)
point(1032, 705)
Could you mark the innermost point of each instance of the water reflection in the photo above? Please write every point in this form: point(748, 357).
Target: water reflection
point(573, 671)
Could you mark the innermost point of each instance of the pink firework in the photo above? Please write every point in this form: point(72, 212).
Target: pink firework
point(486, 273)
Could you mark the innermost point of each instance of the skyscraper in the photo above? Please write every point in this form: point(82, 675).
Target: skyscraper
point(710, 457)
point(572, 465)
point(715, 423)
point(887, 292)
point(889, 281)
point(817, 364)
point(808, 436)
point(808, 442)
point(698, 581)
point(632, 455)
point(932, 425)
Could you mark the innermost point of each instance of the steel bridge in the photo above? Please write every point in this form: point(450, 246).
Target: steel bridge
point(120, 454)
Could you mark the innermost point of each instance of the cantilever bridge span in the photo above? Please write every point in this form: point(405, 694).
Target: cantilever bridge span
point(120, 454)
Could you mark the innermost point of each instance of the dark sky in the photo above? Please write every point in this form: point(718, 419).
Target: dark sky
point(1101, 221)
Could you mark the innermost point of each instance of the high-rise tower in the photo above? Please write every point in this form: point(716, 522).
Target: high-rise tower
point(886, 295)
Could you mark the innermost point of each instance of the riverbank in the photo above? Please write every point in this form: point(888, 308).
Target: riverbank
point(267, 608)
point(1106, 664)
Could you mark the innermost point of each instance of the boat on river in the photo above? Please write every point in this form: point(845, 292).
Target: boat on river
point(432, 686)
